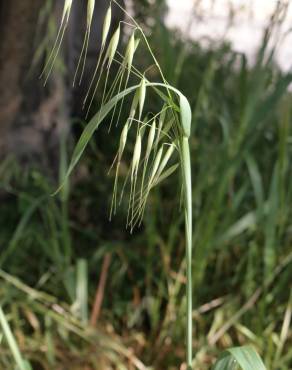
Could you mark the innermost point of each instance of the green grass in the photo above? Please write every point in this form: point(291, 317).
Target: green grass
point(241, 161)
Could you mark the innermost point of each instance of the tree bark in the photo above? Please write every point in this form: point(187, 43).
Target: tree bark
point(30, 115)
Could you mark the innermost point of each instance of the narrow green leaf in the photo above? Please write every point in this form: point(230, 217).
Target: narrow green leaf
point(82, 289)
point(246, 358)
point(256, 180)
point(21, 363)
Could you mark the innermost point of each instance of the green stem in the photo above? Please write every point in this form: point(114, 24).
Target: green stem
point(187, 187)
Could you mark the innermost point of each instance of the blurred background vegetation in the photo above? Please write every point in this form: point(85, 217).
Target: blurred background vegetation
point(80, 292)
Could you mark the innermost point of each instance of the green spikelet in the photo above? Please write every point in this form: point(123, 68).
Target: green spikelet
point(58, 42)
point(106, 26)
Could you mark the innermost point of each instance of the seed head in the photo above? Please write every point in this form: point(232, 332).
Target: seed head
point(142, 96)
point(130, 51)
point(123, 140)
point(151, 137)
point(90, 10)
point(155, 165)
point(106, 25)
point(137, 42)
point(134, 105)
point(113, 45)
point(136, 155)
point(66, 10)
point(166, 158)
point(160, 124)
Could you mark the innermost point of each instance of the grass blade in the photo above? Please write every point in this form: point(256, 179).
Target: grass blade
point(21, 363)
point(246, 358)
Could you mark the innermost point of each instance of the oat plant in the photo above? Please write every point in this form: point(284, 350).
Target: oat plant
point(161, 138)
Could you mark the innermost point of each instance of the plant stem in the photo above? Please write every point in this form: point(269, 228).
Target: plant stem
point(187, 188)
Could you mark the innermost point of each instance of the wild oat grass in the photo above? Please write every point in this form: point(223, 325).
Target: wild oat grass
point(178, 138)
point(155, 145)
point(148, 167)
point(242, 213)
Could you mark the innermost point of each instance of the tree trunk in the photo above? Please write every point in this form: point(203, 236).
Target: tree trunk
point(30, 116)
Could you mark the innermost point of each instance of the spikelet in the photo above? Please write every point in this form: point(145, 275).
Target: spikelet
point(83, 54)
point(160, 124)
point(134, 173)
point(150, 141)
point(66, 10)
point(130, 51)
point(90, 10)
point(57, 44)
point(142, 96)
point(155, 177)
point(127, 63)
point(110, 54)
point(106, 26)
point(165, 160)
point(157, 169)
point(139, 211)
point(134, 105)
point(136, 155)
point(123, 140)
point(113, 46)
point(155, 166)
point(137, 42)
